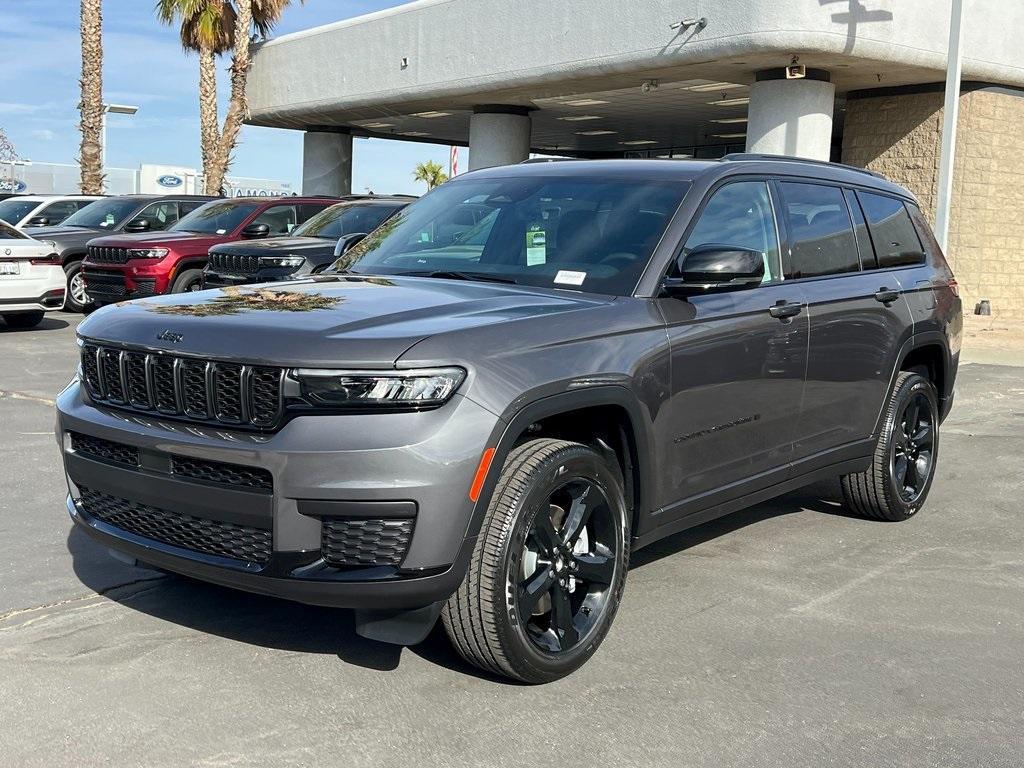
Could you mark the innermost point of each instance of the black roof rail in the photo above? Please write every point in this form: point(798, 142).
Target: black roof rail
point(740, 156)
point(535, 160)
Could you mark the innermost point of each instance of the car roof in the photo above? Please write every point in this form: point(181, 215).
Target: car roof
point(691, 170)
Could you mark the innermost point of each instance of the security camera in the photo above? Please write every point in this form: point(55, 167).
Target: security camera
point(648, 85)
point(796, 72)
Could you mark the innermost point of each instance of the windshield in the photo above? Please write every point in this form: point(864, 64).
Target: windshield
point(592, 234)
point(103, 214)
point(218, 217)
point(13, 210)
point(346, 219)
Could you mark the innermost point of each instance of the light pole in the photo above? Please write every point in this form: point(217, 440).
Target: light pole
point(117, 109)
point(947, 152)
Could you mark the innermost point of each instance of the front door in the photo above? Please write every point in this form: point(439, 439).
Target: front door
point(737, 369)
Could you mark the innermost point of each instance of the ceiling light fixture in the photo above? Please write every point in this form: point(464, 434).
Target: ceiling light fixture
point(430, 114)
point(378, 125)
point(578, 118)
point(731, 102)
point(595, 133)
point(729, 120)
point(707, 87)
point(729, 135)
point(637, 142)
point(584, 102)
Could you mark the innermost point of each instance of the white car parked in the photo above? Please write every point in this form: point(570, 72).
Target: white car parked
point(31, 279)
point(41, 210)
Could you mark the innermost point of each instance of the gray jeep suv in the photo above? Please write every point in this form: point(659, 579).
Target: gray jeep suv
point(482, 424)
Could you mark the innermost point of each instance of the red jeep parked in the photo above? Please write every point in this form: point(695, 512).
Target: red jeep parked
point(129, 266)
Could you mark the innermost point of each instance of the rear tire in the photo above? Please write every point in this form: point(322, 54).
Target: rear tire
point(23, 319)
point(549, 566)
point(75, 297)
point(896, 484)
point(189, 280)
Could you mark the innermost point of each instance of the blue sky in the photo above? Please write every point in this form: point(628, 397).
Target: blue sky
point(145, 65)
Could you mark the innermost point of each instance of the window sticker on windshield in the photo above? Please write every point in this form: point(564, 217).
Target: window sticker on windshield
point(565, 277)
point(109, 220)
point(222, 231)
point(536, 246)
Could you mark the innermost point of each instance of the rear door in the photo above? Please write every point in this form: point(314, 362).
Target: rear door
point(858, 320)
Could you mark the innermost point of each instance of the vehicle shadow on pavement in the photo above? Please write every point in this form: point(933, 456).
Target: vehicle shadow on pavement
point(258, 620)
point(46, 324)
point(269, 622)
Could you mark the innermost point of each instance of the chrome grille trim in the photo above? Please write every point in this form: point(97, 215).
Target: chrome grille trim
point(215, 392)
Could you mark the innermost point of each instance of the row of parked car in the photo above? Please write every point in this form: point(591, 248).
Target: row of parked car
point(79, 252)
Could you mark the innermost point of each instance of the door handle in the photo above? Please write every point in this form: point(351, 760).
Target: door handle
point(886, 295)
point(784, 309)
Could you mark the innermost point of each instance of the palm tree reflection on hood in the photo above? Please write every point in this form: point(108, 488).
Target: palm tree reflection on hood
point(235, 300)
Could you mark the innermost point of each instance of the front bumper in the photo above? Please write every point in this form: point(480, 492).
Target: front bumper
point(324, 470)
point(107, 286)
point(212, 279)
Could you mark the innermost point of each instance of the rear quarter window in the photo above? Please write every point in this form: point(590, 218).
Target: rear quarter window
point(892, 232)
point(821, 239)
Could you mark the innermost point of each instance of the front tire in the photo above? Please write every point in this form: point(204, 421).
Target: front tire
point(75, 297)
point(549, 565)
point(189, 280)
point(896, 484)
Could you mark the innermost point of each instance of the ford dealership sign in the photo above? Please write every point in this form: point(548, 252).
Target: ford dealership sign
point(170, 181)
point(12, 185)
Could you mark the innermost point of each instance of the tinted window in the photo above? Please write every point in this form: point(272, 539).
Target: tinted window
point(590, 234)
point(892, 232)
point(821, 240)
point(860, 227)
point(7, 232)
point(13, 210)
point(57, 212)
point(281, 219)
point(740, 215)
point(218, 217)
point(160, 215)
point(186, 207)
point(103, 214)
point(345, 219)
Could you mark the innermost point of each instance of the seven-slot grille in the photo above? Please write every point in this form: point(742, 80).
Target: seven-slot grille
point(199, 390)
point(234, 262)
point(104, 255)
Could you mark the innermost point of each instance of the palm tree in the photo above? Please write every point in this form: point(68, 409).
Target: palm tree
point(212, 28)
point(430, 172)
point(90, 156)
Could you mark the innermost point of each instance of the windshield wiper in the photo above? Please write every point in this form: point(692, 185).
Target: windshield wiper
point(449, 274)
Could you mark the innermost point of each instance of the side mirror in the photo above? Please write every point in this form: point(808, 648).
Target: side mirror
point(138, 225)
point(38, 221)
point(716, 268)
point(345, 243)
point(256, 230)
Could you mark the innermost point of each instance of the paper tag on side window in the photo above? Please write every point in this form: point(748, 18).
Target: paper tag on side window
point(565, 277)
point(536, 247)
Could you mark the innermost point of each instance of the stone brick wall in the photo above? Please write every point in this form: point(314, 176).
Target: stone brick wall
point(899, 135)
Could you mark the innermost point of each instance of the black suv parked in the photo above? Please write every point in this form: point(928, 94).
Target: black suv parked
point(310, 248)
point(485, 427)
point(125, 213)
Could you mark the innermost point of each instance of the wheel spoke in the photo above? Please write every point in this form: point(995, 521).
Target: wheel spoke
point(561, 618)
point(923, 436)
point(912, 413)
point(544, 529)
point(534, 588)
point(900, 471)
point(576, 520)
point(594, 569)
point(910, 480)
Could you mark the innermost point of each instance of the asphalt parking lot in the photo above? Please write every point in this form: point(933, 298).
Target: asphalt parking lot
point(786, 635)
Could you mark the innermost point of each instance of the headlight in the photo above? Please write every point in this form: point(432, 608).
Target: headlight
point(147, 253)
point(282, 261)
point(49, 244)
point(353, 389)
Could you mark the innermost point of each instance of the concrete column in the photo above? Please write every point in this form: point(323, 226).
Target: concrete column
point(791, 117)
point(326, 163)
point(498, 136)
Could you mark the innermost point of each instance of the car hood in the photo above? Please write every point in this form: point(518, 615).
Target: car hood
point(334, 321)
point(278, 246)
point(167, 239)
point(63, 236)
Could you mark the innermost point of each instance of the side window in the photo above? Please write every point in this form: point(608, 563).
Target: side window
point(821, 239)
point(740, 214)
point(860, 227)
point(57, 212)
point(281, 219)
point(896, 241)
point(309, 210)
point(187, 206)
point(160, 215)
